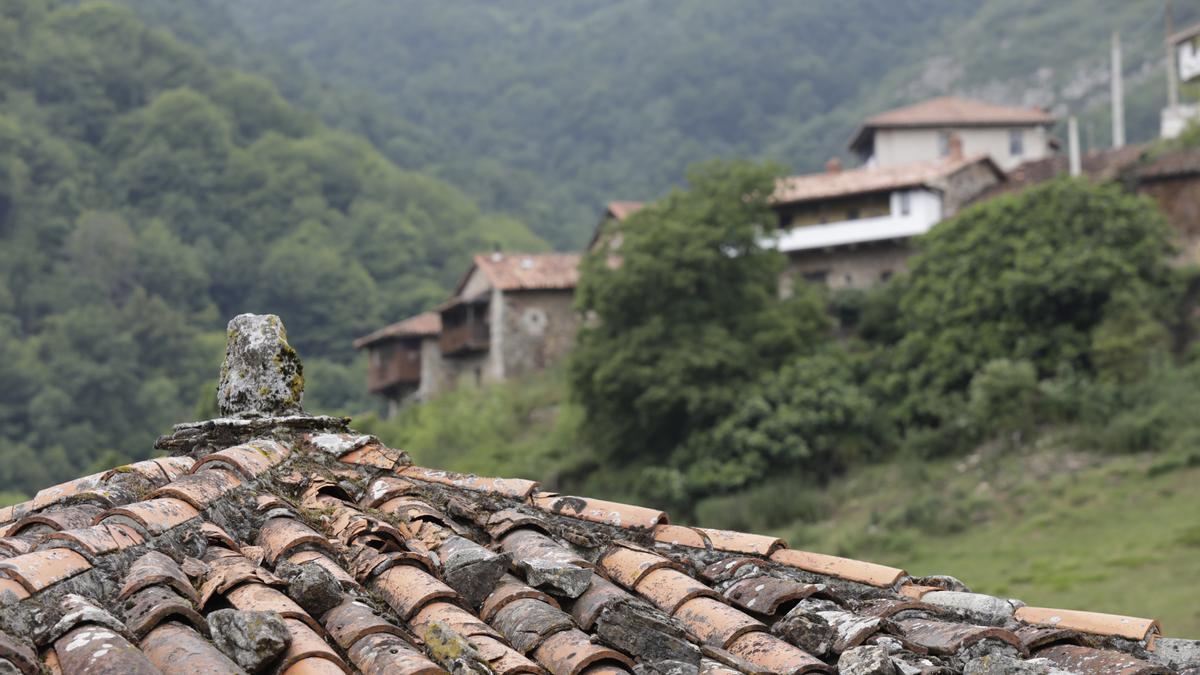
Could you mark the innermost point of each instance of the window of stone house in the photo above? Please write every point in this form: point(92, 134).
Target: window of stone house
point(885, 275)
point(1016, 143)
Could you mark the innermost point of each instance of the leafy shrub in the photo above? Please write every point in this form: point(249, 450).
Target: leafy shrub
point(1026, 277)
point(1004, 397)
point(810, 414)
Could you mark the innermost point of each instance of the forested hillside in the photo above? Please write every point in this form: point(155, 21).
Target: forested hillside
point(147, 195)
point(547, 114)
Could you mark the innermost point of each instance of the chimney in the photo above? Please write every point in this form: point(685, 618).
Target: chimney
point(1118, 94)
point(956, 148)
point(834, 165)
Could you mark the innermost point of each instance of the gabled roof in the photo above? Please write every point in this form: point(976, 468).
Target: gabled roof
point(1100, 165)
point(358, 561)
point(950, 111)
point(525, 271)
point(421, 325)
point(621, 210)
point(865, 180)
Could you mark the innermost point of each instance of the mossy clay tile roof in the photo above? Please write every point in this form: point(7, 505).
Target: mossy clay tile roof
point(381, 567)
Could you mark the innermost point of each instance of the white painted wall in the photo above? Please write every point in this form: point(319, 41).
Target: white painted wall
point(925, 210)
point(902, 146)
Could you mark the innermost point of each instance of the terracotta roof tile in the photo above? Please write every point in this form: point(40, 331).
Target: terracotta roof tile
point(509, 487)
point(527, 271)
point(421, 325)
point(147, 608)
point(95, 649)
point(946, 110)
point(39, 569)
point(713, 622)
point(249, 460)
point(775, 655)
point(1089, 622)
point(385, 654)
point(509, 589)
point(374, 454)
point(679, 535)
point(407, 589)
point(200, 489)
point(600, 511)
point(740, 542)
point(176, 649)
point(669, 588)
point(307, 644)
point(19, 655)
point(842, 568)
point(622, 210)
point(57, 518)
point(628, 565)
point(819, 186)
point(95, 540)
point(280, 536)
point(767, 595)
point(1075, 659)
point(155, 568)
point(352, 620)
point(151, 517)
point(569, 652)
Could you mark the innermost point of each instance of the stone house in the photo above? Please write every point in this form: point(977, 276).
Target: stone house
point(403, 359)
point(511, 314)
point(851, 228)
point(916, 133)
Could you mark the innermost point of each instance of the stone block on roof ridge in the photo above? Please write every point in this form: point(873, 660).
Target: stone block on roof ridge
point(262, 374)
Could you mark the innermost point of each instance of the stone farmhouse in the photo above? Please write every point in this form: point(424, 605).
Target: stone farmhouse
point(510, 314)
point(920, 132)
point(851, 228)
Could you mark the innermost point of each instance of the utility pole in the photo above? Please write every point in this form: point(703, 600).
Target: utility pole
point(1073, 145)
point(1172, 82)
point(1118, 94)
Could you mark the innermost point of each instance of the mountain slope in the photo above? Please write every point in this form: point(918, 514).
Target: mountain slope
point(604, 100)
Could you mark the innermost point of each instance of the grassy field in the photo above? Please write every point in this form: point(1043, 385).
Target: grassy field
point(1053, 528)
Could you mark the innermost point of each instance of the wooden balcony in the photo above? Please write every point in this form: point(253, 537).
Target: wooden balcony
point(464, 338)
point(394, 364)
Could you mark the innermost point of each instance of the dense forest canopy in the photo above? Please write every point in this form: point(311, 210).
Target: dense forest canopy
point(147, 195)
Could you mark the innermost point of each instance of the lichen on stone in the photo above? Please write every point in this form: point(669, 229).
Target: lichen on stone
point(262, 374)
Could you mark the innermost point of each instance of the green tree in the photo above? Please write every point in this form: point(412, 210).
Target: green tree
point(1026, 277)
point(688, 317)
point(810, 414)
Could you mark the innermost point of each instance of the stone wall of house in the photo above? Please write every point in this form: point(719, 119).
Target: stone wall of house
point(1179, 199)
point(845, 267)
point(965, 185)
point(537, 329)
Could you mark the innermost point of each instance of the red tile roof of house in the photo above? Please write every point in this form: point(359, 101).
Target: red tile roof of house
point(370, 564)
point(526, 271)
point(951, 111)
point(818, 186)
point(421, 325)
point(622, 210)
